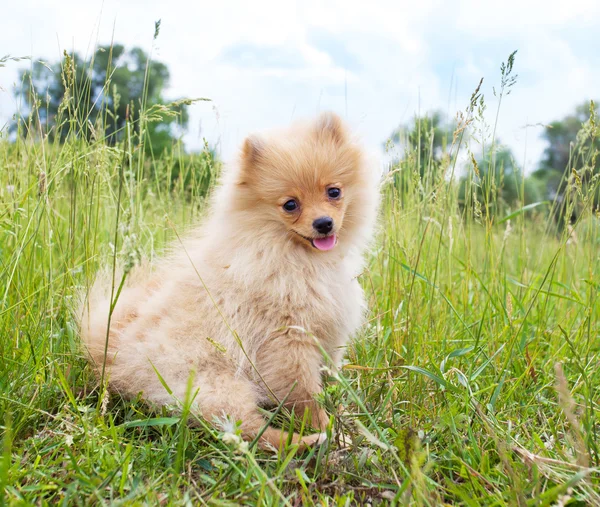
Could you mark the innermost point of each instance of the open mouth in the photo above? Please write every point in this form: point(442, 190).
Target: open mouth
point(325, 243)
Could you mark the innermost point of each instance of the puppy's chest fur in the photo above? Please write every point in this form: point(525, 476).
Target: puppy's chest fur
point(326, 303)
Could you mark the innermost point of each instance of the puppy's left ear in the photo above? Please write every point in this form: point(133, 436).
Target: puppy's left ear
point(251, 156)
point(331, 127)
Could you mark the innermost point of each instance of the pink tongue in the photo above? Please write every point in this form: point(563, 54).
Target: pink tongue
point(325, 243)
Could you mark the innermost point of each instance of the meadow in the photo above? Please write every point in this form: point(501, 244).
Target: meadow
point(474, 382)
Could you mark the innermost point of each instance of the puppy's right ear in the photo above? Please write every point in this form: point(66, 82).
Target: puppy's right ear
point(252, 153)
point(330, 127)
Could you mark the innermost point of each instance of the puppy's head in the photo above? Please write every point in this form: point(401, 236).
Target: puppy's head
point(307, 184)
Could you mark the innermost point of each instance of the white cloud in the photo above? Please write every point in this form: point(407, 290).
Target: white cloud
point(386, 60)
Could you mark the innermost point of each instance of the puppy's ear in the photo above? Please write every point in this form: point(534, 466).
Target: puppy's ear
point(252, 150)
point(252, 153)
point(331, 127)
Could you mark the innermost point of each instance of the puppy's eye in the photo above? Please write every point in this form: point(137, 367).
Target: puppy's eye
point(290, 205)
point(334, 193)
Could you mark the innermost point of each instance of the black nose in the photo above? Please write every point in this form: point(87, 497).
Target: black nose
point(323, 225)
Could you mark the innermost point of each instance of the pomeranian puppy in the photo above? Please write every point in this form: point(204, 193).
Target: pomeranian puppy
point(240, 309)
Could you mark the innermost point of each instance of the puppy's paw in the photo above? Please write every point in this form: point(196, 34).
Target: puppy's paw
point(312, 440)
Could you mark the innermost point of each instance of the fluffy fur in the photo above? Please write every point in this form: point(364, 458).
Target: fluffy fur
point(229, 306)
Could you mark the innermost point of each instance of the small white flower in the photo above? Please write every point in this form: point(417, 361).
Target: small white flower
point(69, 440)
point(236, 442)
point(549, 444)
point(230, 436)
point(225, 424)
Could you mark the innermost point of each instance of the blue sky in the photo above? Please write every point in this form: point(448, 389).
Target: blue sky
point(264, 63)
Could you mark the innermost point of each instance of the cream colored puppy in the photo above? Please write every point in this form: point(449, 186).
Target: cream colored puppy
point(239, 305)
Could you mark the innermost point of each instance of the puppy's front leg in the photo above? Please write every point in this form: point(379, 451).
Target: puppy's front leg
point(290, 364)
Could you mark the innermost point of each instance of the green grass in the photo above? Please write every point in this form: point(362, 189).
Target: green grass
point(476, 380)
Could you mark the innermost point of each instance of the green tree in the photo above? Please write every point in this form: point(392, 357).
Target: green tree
point(498, 184)
point(425, 139)
point(95, 99)
point(570, 164)
point(420, 150)
point(562, 138)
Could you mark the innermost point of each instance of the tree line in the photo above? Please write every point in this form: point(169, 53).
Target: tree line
point(492, 173)
point(100, 97)
point(120, 92)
